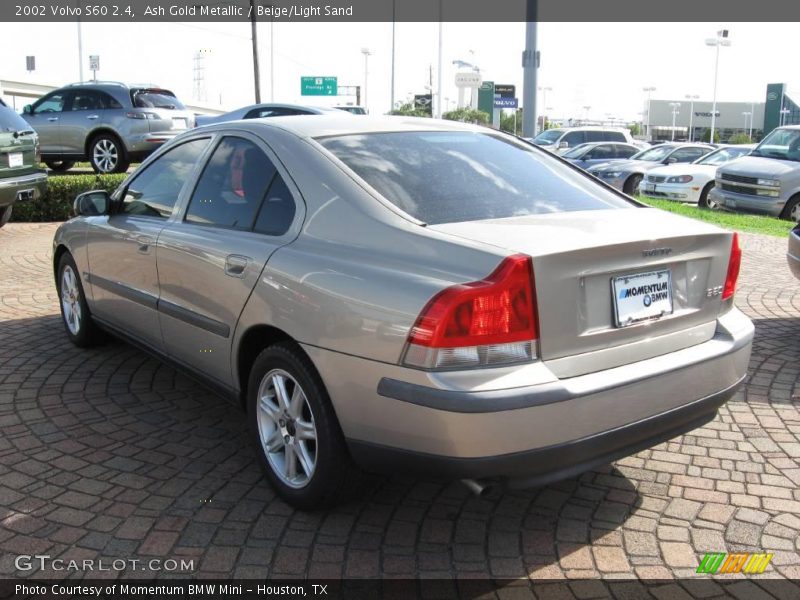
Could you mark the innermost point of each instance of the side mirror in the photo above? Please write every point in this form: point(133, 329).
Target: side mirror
point(27, 109)
point(92, 204)
point(562, 145)
point(671, 160)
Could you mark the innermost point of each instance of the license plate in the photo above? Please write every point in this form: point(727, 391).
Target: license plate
point(649, 187)
point(642, 297)
point(15, 159)
point(179, 123)
point(729, 203)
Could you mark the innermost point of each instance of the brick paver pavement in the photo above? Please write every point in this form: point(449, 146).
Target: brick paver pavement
point(109, 453)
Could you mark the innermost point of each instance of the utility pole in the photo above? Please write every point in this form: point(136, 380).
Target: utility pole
point(530, 63)
point(438, 113)
point(394, 23)
point(256, 75)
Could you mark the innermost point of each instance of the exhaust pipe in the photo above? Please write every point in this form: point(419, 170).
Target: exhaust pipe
point(477, 488)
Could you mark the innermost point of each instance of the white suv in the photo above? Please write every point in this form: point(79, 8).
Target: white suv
point(561, 139)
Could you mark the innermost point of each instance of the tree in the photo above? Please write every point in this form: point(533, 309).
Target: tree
point(704, 137)
point(507, 122)
point(740, 138)
point(635, 129)
point(407, 109)
point(467, 115)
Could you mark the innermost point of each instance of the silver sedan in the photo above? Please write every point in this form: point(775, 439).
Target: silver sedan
point(262, 111)
point(409, 295)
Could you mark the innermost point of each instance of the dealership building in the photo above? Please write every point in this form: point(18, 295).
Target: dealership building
point(692, 118)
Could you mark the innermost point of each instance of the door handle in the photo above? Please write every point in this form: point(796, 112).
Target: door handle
point(93, 117)
point(143, 243)
point(51, 119)
point(235, 265)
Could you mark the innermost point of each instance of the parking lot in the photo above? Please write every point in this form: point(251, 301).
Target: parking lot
point(109, 453)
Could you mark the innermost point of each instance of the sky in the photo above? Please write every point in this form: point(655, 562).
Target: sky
point(600, 65)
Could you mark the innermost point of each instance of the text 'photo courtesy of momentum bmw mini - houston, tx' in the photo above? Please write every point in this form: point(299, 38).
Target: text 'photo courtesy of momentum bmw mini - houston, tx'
point(490, 314)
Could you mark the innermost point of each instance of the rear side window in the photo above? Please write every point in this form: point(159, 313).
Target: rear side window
point(154, 191)
point(11, 121)
point(155, 98)
point(232, 186)
point(447, 177)
point(573, 138)
point(614, 136)
point(277, 211)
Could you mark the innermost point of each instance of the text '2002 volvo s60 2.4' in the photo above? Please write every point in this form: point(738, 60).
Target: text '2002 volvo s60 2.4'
point(410, 295)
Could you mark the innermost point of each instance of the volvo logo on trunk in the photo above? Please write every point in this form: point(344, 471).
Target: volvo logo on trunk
point(657, 252)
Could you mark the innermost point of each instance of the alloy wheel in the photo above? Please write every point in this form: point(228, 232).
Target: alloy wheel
point(105, 155)
point(287, 428)
point(70, 300)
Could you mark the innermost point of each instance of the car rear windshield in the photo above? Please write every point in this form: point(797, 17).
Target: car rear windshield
point(11, 121)
point(155, 98)
point(448, 177)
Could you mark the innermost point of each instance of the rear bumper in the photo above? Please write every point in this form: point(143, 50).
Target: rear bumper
point(24, 187)
point(467, 425)
point(759, 204)
point(141, 145)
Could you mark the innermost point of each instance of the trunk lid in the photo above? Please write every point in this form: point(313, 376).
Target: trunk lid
point(578, 255)
point(17, 145)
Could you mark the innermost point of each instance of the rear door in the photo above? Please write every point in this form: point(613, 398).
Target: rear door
point(242, 209)
point(122, 247)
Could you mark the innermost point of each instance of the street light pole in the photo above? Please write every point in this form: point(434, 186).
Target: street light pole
point(544, 91)
point(366, 52)
point(254, 37)
point(745, 115)
point(720, 40)
point(691, 99)
point(675, 106)
point(647, 135)
point(439, 69)
point(530, 64)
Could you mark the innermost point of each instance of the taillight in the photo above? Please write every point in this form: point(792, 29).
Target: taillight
point(487, 322)
point(734, 262)
point(142, 115)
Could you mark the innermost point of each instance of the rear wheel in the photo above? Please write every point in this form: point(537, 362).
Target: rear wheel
point(5, 215)
point(705, 201)
point(81, 330)
point(791, 211)
point(632, 184)
point(60, 166)
point(107, 155)
point(292, 423)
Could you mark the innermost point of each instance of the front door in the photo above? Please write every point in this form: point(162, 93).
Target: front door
point(45, 118)
point(122, 247)
point(239, 213)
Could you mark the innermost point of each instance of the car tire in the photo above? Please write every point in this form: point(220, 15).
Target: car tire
point(5, 214)
point(791, 212)
point(81, 329)
point(704, 201)
point(298, 440)
point(107, 155)
point(632, 184)
point(60, 166)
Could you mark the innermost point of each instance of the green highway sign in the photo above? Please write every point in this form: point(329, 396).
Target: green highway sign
point(318, 86)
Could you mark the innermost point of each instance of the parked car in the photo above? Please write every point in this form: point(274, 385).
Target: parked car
point(627, 175)
point(767, 181)
point(561, 139)
point(352, 109)
point(20, 177)
point(793, 255)
point(487, 313)
point(593, 153)
point(109, 124)
point(690, 182)
point(260, 111)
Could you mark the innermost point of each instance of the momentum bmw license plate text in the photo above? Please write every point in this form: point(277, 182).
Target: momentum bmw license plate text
point(641, 297)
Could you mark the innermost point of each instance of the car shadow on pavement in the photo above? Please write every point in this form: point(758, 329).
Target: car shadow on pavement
point(108, 452)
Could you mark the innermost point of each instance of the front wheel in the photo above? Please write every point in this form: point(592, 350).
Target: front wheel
point(632, 185)
point(5, 215)
point(81, 330)
point(791, 212)
point(107, 155)
point(705, 201)
point(60, 166)
point(292, 423)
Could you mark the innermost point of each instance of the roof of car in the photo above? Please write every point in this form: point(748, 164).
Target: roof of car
point(322, 109)
point(343, 124)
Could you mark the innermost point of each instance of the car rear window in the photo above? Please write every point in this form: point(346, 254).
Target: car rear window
point(11, 121)
point(447, 177)
point(155, 98)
